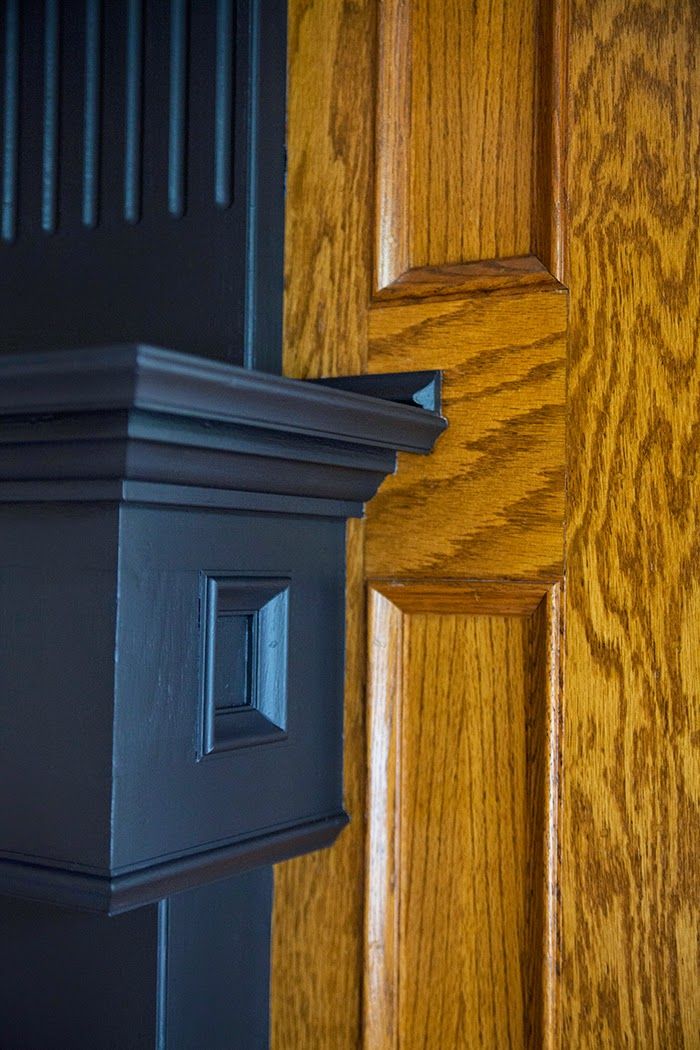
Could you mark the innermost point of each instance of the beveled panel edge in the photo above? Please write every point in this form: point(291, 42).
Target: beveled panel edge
point(455, 280)
point(466, 597)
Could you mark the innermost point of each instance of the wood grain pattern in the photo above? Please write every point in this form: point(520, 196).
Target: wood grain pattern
point(329, 146)
point(549, 218)
point(460, 279)
point(490, 500)
point(469, 143)
point(317, 956)
point(490, 504)
point(631, 812)
point(463, 768)
point(433, 156)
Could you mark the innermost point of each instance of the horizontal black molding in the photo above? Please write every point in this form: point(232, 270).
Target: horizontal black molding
point(421, 389)
point(119, 893)
point(164, 381)
point(145, 493)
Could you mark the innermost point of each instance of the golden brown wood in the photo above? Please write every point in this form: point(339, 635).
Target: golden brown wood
point(385, 693)
point(317, 957)
point(490, 500)
point(462, 279)
point(631, 811)
point(549, 229)
point(461, 888)
point(469, 143)
point(455, 234)
point(462, 597)
point(450, 55)
point(329, 148)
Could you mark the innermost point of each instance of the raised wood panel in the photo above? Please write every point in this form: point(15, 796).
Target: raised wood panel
point(631, 814)
point(497, 478)
point(490, 499)
point(468, 154)
point(463, 761)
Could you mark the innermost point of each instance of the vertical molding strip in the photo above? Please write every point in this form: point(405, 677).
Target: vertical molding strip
point(393, 130)
point(10, 127)
point(134, 111)
point(91, 119)
point(224, 102)
point(252, 203)
point(49, 179)
point(178, 107)
point(163, 928)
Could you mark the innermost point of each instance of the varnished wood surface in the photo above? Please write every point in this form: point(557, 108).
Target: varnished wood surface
point(455, 177)
point(549, 218)
point(460, 279)
point(329, 150)
point(631, 811)
point(469, 142)
point(461, 885)
point(490, 500)
point(317, 956)
point(461, 597)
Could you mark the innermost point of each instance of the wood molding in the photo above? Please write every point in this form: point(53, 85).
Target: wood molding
point(530, 918)
point(460, 279)
point(549, 229)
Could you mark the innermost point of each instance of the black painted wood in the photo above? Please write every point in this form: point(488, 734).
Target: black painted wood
point(189, 972)
point(158, 381)
point(422, 389)
point(132, 478)
point(142, 171)
point(160, 755)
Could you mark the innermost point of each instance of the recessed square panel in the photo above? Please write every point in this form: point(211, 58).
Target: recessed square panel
point(244, 664)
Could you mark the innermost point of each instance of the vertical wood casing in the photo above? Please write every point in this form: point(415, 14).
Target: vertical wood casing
point(317, 952)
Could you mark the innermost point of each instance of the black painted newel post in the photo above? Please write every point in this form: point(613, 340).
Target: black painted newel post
point(171, 671)
point(171, 526)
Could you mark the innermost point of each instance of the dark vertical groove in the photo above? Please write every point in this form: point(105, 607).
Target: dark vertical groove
point(178, 107)
point(224, 102)
point(49, 179)
point(10, 124)
point(251, 278)
point(134, 111)
point(91, 119)
point(163, 920)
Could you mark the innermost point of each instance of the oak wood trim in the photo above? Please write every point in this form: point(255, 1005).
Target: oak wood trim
point(465, 597)
point(549, 222)
point(393, 127)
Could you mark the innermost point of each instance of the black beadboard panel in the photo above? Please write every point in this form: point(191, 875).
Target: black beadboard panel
point(142, 175)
